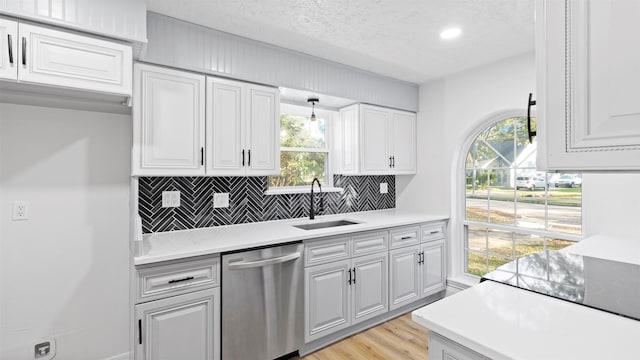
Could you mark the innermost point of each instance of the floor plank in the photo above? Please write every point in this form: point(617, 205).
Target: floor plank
point(399, 338)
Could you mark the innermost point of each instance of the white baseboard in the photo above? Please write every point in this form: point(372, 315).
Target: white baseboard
point(124, 356)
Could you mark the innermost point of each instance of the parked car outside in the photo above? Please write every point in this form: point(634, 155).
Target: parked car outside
point(530, 182)
point(569, 181)
point(552, 178)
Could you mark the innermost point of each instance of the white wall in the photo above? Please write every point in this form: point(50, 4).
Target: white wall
point(64, 273)
point(449, 109)
point(452, 107)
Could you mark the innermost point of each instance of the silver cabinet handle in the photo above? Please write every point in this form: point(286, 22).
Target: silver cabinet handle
point(24, 51)
point(10, 48)
point(237, 265)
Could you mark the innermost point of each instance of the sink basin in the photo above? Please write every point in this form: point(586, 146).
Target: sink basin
point(325, 224)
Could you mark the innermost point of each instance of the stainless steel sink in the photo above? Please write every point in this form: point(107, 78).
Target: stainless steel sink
point(325, 224)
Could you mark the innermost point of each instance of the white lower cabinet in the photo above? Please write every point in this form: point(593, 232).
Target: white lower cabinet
point(326, 299)
point(416, 272)
point(177, 314)
point(352, 279)
point(404, 276)
point(432, 271)
point(344, 293)
point(180, 327)
point(441, 348)
point(369, 287)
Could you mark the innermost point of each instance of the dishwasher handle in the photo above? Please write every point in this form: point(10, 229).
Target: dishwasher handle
point(237, 265)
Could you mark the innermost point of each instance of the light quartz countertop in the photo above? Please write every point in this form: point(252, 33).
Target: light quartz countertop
point(610, 247)
point(173, 245)
point(503, 322)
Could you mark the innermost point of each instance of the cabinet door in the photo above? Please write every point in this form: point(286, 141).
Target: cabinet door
point(8, 49)
point(63, 59)
point(347, 136)
point(433, 268)
point(404, 142)
point(369, 292)
point(180, 327)
point(404, 276)
point(374, 129)
point(225, 114)
point(588, 75)
point(263, 131)
point(168, 122)
point(326, 299)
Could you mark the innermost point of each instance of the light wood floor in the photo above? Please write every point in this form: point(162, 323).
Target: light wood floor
point(400, 338)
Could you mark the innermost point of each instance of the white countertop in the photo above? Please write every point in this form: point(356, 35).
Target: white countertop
point(180, 244)
point(503, 322)
point(610, 247)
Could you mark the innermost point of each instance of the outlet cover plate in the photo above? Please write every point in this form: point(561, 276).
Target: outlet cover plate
point(170, 199)
point(44, 349)
point(20, 210)
point(384, 188)
point(221, 200)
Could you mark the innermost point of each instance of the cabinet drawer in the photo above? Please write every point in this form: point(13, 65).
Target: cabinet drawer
point(177, 278)
point(326, 250)
point(433, 231)
point(370, 243)
point(405, 236)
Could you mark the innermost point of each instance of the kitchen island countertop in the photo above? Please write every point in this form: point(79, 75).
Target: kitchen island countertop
point(504, 322)
point(156, 247)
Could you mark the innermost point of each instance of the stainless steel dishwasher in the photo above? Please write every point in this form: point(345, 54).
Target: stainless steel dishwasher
point(262, 303)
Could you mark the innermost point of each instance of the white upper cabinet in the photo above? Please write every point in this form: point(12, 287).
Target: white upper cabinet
point(588, 76)
point(243, 122)
point(404, 142)
point(8, 49)
point(263, 130)
point(168, 122)
point(62, 59)
point(38, 55)
point(375, 141)
point(120, 19)
point(187, 124)
point(224, 126)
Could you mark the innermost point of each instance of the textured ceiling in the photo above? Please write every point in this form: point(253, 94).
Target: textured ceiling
point(396, 38)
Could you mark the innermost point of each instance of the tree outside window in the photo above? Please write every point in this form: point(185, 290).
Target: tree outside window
point(512, 208)
point(303, 147)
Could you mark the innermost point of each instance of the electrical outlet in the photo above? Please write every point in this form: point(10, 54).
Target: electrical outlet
point(44, 349)
point(20, 210)
point(170, 199)
point(221, 200)
point(384, 188)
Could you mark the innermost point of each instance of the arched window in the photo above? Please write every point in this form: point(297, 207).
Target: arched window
point(511, 208)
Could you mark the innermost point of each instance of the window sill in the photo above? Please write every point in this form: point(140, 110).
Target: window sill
point(299, 190)
point(463, 282)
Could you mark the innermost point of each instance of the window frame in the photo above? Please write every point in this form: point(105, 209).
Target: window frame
point(459, 279)
point(329, 116)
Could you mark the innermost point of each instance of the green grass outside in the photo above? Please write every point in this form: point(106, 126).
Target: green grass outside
point(477, 263)
point(556, 196)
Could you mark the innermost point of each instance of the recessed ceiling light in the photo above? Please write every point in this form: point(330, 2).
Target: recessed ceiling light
point(450, 33)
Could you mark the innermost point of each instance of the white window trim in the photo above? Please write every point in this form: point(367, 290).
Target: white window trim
point(457, 275)
point(330, 117)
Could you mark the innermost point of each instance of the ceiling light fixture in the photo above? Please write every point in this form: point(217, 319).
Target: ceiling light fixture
point(450, 33)
point(313, 102)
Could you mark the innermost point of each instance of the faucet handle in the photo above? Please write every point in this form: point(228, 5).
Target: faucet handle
point(321, 208)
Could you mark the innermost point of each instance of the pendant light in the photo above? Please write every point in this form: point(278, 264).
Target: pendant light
point(313, 102)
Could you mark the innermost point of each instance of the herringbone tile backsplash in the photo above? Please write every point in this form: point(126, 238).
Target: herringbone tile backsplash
point(247, 202)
